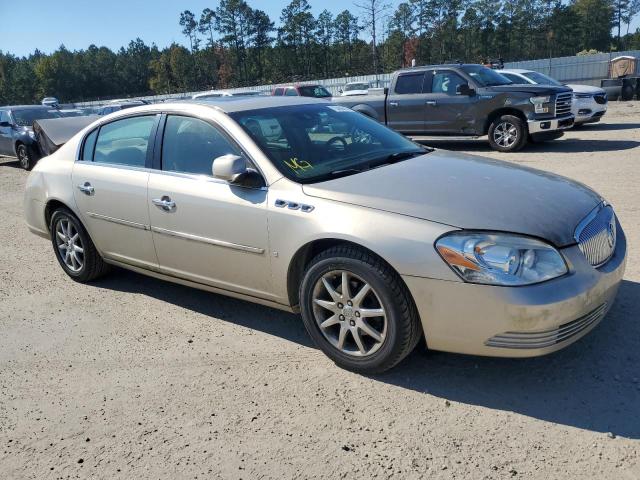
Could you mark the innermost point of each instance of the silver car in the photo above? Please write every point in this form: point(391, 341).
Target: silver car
point(307, 206)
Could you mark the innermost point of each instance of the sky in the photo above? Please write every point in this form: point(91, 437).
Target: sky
point(46, 24)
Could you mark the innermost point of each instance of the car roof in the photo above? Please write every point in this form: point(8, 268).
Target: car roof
point(25, 107)
point(239, 104)
point(514, 70)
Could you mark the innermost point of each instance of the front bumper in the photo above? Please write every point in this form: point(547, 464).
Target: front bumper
point(550, 125)
point(587, 110)
point(523, 321)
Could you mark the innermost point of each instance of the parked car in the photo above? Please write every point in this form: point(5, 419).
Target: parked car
point(355, 88)
point(115, 107)
point(313, 91)
point(470, 101)
point(589, 103)
point(225, 93)
point(50, 102)
point(17, 138)
point(378, 241)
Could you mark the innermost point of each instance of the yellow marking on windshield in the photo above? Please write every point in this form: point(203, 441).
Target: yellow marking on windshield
point(298, 166)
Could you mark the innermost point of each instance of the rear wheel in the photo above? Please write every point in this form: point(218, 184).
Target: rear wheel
point(24, 156)
point(74, 249)
point(358, 311)
point(507, 133)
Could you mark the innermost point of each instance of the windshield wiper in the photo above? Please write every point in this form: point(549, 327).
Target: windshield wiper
point(397, 157)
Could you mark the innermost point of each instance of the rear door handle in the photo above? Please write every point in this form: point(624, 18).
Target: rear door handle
point(86, 188)
point(165, 203)
point(431, 102)
point(393, 104)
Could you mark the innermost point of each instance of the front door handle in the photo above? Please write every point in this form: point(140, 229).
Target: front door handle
point(433, 103)
point(393, 104)
point(86, 188)
point(165, 203)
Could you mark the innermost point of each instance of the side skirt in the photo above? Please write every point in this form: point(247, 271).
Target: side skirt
point(201, 286)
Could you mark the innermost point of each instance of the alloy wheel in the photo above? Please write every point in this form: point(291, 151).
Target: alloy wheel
point(349, 313)
point(69, 244)
point(505, 134)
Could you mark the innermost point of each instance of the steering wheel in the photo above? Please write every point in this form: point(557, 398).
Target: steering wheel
point(334, 141)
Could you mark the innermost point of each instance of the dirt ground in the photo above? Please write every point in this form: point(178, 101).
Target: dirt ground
point(131, 377)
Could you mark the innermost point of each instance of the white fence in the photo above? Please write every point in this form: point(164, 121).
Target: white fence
point(588, 69)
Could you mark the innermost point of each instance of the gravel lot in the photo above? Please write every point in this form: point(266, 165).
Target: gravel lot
point(131, 377)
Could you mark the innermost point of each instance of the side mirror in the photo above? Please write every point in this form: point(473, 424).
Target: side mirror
point(5, 124)
point(465, 89)
point(386, 90)
point(229, 167)
point(233, 169)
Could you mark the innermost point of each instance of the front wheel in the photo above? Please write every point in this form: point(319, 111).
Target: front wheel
point(24, 157)
point(358, 311)
point(507, 133)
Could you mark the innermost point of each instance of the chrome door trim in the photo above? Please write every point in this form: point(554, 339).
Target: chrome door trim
point(119, 221)
point(209, 241)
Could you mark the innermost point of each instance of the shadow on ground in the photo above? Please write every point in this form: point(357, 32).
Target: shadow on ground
point(593, 384)
point(606, 126)
point(568, 145)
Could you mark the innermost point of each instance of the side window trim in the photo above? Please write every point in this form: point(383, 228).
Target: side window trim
point(157, 157)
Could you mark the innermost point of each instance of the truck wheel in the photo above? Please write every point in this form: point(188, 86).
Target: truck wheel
point(358, 310)
point(627, 93)
point(507, 133)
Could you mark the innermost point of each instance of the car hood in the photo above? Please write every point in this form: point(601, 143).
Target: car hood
point(469, 192)
point(586, 89)
point(529, 88)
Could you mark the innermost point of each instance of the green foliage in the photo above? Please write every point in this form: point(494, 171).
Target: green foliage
point(235, 44)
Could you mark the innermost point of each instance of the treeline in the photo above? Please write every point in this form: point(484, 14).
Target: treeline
point(238, 45)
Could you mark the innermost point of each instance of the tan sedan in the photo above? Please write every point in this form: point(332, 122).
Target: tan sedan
point(306, 206)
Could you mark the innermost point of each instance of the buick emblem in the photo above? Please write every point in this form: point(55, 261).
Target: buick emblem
point(611, 234)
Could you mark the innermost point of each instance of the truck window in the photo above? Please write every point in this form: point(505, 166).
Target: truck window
point(446, 82)
point(409, 83)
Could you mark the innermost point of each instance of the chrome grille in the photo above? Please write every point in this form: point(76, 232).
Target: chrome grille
point(596, 235)
point(547, 338)
point(563, 103)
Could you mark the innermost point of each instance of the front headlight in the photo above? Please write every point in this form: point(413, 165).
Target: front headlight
point(539, 104)
point(500, 259)
point(540, 100)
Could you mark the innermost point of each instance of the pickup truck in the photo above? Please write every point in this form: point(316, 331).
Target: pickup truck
point(467, 100)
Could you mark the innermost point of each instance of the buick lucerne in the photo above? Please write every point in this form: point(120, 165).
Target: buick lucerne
point(308, 206)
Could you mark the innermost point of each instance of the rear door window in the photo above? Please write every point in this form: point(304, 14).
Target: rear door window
point(408, 83)
point(125, 142)
point(291, 92)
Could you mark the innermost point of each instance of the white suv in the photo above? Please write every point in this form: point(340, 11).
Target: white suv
point(589, 103)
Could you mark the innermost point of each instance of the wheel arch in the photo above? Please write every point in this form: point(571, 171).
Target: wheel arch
point(310, 250)
point(54, 204)
point(498, 113)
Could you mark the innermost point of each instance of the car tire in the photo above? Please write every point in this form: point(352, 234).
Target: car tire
point(24, 156)
point(374, 287)
point(507, 133)
point(83, 263)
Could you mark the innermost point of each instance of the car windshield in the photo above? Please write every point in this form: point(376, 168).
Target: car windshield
point(26, 117)
point(313, 143)
point(542, 79)
point(485, 77)
point(314, 91)
point(356, 86)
